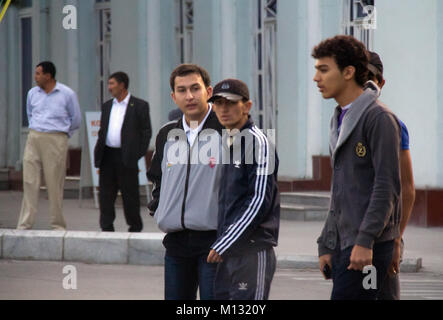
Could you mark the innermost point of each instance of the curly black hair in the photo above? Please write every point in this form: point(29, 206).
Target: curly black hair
point(347, 51)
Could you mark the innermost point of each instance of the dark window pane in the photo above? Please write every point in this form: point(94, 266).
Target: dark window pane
point(259, 51)
point(260, 92)
point(100, 14)
point(101, 61)
point(27, 70)
point(182, 51)
point(259, 14)
point(181, 16)
point(26, 3)
point(271, 8)
point(361, 13)
point(352, 10)
point(101, 92)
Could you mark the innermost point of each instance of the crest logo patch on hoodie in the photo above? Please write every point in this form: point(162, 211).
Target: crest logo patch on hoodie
point(360, 150)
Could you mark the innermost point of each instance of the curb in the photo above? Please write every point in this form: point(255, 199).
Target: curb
point(118, 248)
point(303, 262)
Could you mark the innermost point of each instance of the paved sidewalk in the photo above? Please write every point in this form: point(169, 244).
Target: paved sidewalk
point(296, 237)
point(37, 280)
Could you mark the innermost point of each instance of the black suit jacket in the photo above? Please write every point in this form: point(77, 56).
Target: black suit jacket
point(135, 135)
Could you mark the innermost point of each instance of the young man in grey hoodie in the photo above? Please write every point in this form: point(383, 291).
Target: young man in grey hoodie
point(364, 215)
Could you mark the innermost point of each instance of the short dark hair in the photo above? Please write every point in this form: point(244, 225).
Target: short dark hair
point(48, 67)
point(186, 69)
point(346, 51)
point(121, 77)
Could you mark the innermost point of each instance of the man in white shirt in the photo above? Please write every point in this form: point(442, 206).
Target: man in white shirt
point(125, 132)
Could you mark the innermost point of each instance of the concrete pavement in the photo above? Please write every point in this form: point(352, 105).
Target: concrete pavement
point(296, 237)
point(38, 280)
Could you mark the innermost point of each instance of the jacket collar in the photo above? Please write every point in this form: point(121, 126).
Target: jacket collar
point(211, 122)
point(351, 118)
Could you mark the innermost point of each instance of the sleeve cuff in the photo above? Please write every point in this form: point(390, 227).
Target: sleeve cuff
point(322, 250)
point(364, 240)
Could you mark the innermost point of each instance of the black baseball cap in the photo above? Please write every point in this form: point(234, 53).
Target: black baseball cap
point(375, 65)
point(231, 89)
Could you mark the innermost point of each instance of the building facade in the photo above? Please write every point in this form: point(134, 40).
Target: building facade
point(266, 43)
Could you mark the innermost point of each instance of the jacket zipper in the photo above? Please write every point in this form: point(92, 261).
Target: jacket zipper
point(186, 185)
point(187, 177)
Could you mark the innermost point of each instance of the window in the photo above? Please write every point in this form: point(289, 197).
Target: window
point(26, 3)
point(26, 67)
point(360, 20)
point(184, 29)
point(265, 59)
point(104, 48)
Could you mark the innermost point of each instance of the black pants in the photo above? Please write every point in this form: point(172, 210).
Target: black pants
point(115, 176)
point(349, 284)
point(245, 277)
point(390, 289)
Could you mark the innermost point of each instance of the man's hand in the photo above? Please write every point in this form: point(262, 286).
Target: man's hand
point(325, 260)
point(214, 257)
point(360, 257)
point(394, 267)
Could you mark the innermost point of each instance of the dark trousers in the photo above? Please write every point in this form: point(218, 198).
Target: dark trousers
point(246, 277)
point(348, 284)
point(114, 176)
point(183, 275)
point(390, 289)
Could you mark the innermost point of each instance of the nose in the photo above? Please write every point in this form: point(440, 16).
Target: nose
point(316, 77)
point(189, 95)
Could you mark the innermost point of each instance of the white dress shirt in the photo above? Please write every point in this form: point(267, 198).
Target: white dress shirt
point(192, 132)
point(118, 111)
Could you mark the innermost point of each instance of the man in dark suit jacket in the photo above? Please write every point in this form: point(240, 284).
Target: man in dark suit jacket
point(123, 138)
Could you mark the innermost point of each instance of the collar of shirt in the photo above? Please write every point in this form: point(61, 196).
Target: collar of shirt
point(191, 133)
point(56, 88)
point(347, 107)
point(342, 115)
point(124, 101)
point(189, 129)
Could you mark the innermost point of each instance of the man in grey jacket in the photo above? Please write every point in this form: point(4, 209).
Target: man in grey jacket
point(364, 214)
point(186, 172)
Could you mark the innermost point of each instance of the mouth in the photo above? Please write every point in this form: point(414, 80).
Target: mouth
point(224, 118)
point(191, 106)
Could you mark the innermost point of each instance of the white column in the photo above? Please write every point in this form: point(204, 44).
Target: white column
point(154, 60)
point(313, 109)
point(227, 38)
point(4, 90)
point(72, 65)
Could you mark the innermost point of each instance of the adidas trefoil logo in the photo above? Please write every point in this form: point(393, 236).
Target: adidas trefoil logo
point(243, 286)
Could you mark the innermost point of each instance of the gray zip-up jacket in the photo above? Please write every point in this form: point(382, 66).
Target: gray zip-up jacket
point(365, 198)
point(186, 178)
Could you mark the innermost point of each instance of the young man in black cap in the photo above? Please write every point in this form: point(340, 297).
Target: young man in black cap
point(249, 204)
point(364, 215)
point(390, 289)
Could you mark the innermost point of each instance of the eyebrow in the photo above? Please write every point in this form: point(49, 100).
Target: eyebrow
point(192, 85)
point(322, 66)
